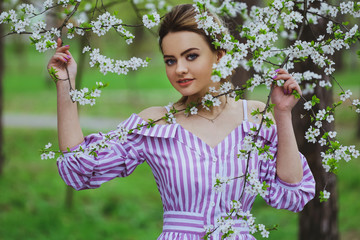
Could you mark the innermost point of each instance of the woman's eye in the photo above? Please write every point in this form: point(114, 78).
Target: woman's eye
point(169, 62)
point(192, 56)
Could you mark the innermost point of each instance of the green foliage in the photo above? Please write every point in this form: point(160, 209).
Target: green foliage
point(53, 74)
point(296, 94)
point(151, 123)
point(322, 197)
point(314, 100)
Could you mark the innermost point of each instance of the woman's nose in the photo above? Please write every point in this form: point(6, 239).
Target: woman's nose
point(181, 68)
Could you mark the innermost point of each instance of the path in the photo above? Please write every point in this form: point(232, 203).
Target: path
point(20, 120)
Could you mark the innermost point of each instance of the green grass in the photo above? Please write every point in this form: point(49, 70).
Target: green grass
point(32, 203)
point(33, 195)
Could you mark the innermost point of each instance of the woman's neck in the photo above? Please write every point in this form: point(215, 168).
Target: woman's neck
point(213, 111)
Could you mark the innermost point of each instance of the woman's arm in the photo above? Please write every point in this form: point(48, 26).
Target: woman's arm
point(69, 130)
point(288, 165)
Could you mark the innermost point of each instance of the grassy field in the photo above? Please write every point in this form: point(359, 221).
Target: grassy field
point(32, 203)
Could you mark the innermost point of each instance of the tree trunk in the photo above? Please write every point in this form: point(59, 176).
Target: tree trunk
point(358, 127)
point(241, 75)
point(318, 220)
point(2, 158)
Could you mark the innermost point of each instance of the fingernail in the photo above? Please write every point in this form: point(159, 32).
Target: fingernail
point(274, 76)
point(67, 45)
point(65, 59)
point(277, 70)
point(68, 56)
point(285, 91)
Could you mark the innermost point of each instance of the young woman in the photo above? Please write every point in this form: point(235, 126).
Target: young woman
point(187, 156)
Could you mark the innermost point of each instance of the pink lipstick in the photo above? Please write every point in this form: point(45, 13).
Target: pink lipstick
point(185, 81)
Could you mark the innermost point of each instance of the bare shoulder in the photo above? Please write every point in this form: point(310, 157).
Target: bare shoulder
point(152, 113)
point(253, 105)
point(257, 105)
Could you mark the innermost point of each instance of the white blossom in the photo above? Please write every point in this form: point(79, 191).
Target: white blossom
point(254, 186)
point(311, 134)
point(48, 4)
point(225, 87)
point(332, 134)
point(326, 194)
point(28, 9)
point(193, 111)
point(106, 64)
point(322, 142)
point(321, 114)
point(170, 118)
point(324, 83)
point(86, 49)
point(318, 124)
point(47, 146)
point(345, 95)
point(308, 105)
point(212, 90)
point(356, 102)
point(220, 183)
point(121, 133)
point(151, 20)
point(330, 118)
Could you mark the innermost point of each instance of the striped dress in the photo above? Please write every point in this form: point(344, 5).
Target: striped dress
point(185, 169)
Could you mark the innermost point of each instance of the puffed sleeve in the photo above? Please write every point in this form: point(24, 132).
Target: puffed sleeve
point(282, 195)
point(82, 170)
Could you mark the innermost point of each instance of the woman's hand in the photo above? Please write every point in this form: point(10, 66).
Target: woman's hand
point(62, 59)
point(288, 162)
point(282, 96)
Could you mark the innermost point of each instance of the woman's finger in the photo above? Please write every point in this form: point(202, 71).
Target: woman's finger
point(290, 83)
point(281, 71)
point(60, 57)
point(67, 57)
point(62, 48)
point(59, 43)
point(290, 86)
point(284, 76)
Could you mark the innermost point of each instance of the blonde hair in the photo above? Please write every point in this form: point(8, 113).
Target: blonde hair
point(182, 18)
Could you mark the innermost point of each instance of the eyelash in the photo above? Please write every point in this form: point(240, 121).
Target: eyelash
point(189, 57)
point(167, 62)
point(193, 56)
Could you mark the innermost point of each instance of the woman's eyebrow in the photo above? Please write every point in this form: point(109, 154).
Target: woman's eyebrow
point(183, 53)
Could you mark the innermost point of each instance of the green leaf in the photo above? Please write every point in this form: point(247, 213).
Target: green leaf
point(321, 197)
point(53, 74)
point(49, 44)
point(314, 100)
point(296, 94)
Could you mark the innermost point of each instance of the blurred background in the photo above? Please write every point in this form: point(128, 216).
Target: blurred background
point(36, 204)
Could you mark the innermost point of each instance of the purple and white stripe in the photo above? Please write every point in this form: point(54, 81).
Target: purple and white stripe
point(185, 170)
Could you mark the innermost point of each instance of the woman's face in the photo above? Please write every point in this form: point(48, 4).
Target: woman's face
point(189, 60)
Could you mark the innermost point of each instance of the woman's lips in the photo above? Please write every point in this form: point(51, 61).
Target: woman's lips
point(185, 81)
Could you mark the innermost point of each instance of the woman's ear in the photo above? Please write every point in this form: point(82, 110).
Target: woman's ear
point(220, 54)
